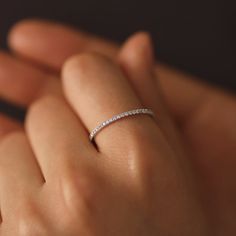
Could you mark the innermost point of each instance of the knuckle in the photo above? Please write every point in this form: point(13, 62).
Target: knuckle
point(85, 60)
point(144, 154)
point(80, 194)
point(82, 65)
point(47, 102)
point(42, 106)
point(30, 227)
point(76, 63)
point(81, 199)
point(29, 220)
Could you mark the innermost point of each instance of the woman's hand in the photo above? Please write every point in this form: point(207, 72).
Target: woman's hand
point(134, 182)
point(206, 116)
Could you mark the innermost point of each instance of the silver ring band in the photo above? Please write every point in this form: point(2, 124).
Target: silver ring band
point(115, 118)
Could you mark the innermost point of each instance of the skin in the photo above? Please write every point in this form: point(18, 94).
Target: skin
point(194, 107)
point(63, 185)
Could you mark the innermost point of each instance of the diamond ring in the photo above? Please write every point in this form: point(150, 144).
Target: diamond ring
point(115, 118)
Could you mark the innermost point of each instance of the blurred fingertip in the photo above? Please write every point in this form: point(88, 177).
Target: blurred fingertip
point(138, 50)
point(18, 35)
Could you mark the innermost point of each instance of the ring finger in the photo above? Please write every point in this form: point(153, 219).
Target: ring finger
point(97, 90)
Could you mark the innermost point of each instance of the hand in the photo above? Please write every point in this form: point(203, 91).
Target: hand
point(135, 183)
point(205, 115)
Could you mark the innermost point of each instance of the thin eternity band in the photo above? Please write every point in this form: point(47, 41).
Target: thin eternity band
point(142, 111)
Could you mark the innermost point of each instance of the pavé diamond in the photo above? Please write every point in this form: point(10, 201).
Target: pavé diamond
point(118, 117)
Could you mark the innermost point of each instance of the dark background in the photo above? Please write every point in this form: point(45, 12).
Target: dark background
point(196, 36)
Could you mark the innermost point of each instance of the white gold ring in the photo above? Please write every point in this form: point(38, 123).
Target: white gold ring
point(115, 118)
